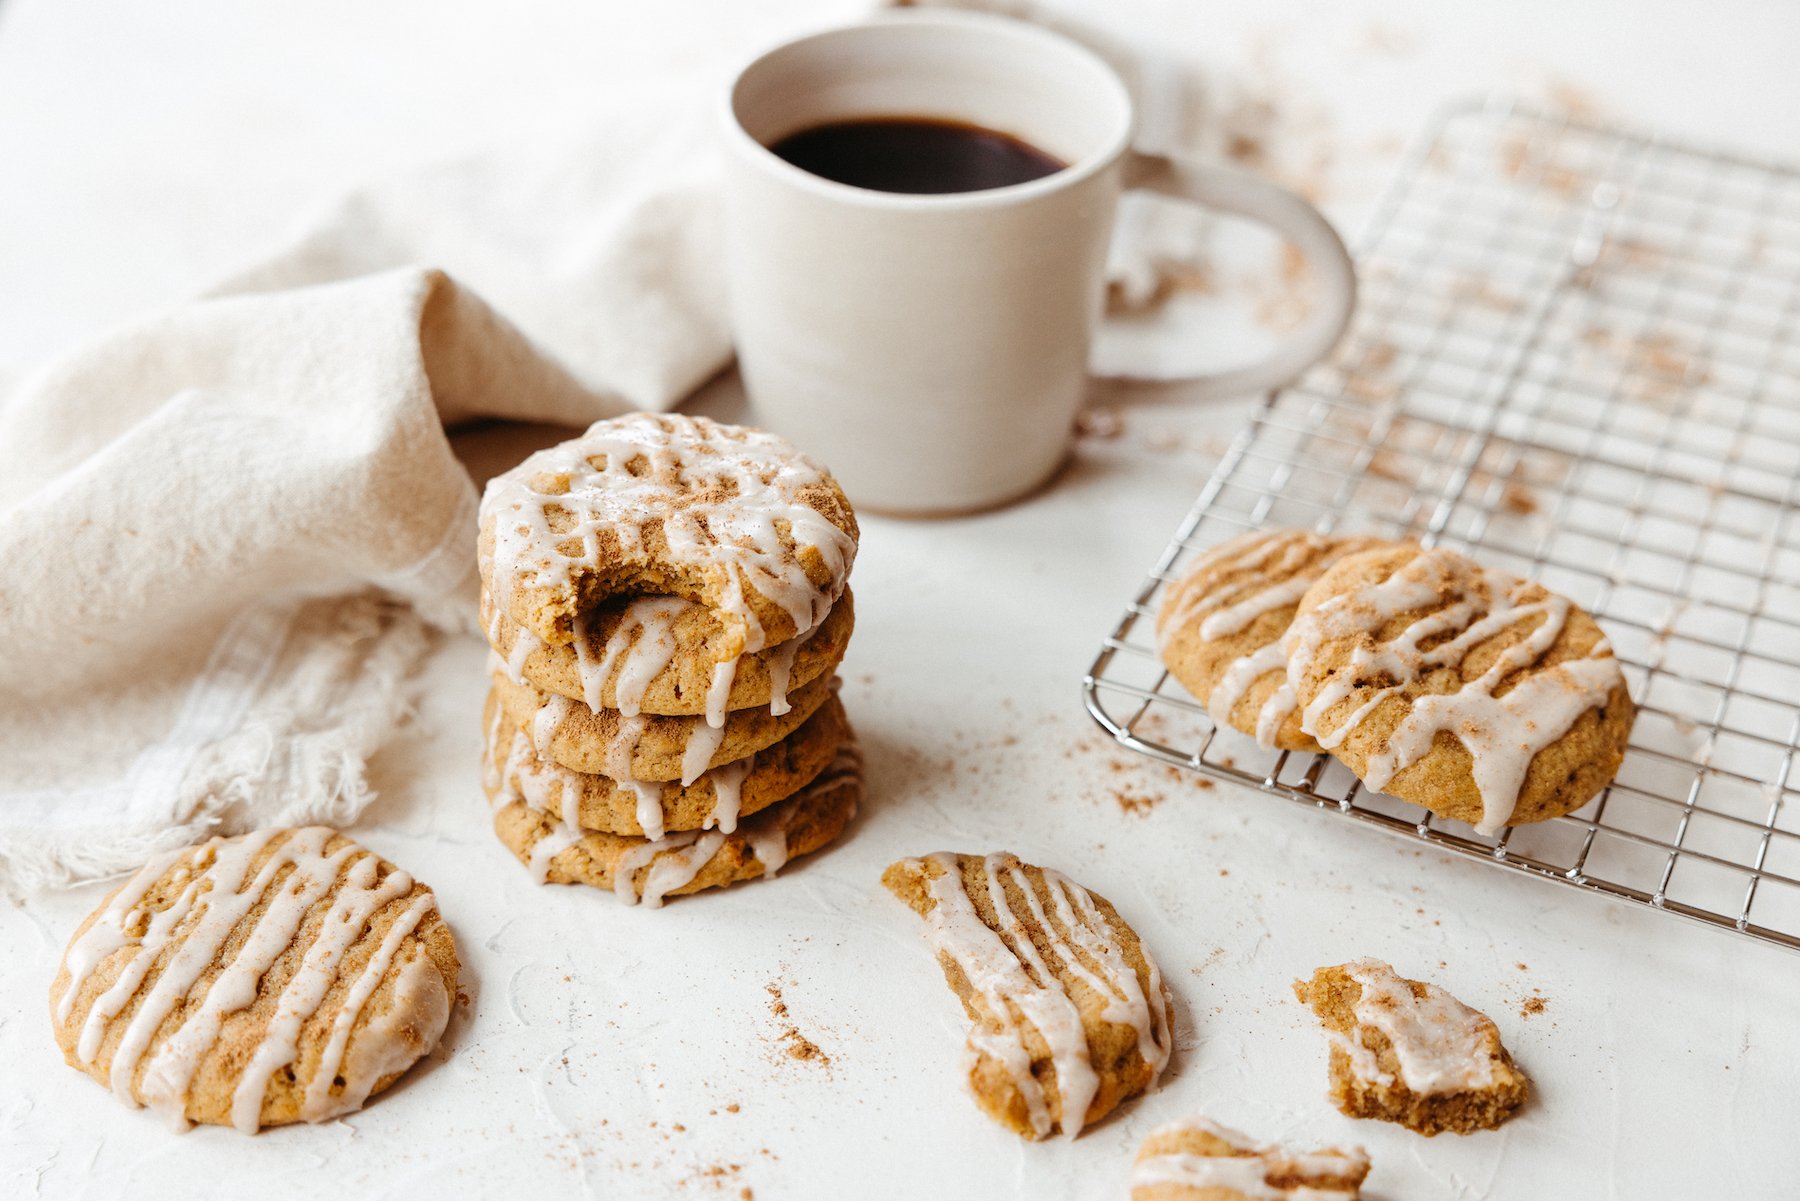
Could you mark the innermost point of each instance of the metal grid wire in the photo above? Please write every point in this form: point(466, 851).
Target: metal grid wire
point(1577, 358)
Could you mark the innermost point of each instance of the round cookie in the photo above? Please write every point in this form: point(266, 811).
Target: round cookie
point(278, 977)
point(1221, 624)
point(1070, 1015)
point(648, 747)
point(720, 797)
point(1481, 696)
point(636, 869)
point(666, 656)
point(728, 517)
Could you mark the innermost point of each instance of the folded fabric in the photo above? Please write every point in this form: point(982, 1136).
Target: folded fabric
point(229, 530)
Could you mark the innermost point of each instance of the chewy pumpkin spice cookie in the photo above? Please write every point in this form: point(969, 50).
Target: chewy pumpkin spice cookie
point(282, 976)
point(1221, 625)
point(688, 861)
point(1481, 696)
point(660, 504)
point(1070, 1015)
point(1197, 1159)
point(1408, 1052)
point(719, 797)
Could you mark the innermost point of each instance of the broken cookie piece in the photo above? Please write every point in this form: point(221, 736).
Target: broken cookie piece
point(1408, 1052)
point(1070, 1014)
point(1199, 1160)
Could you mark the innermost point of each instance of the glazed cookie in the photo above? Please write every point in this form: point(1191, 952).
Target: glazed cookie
point(513, 771)
point(731, 518)
point(647, 747)
point(1221, 624)
point(1070, 1014)
point(1409, 1052)
point(636, 869)
point(1480, 696)
point(665, 655)
point(279, 977)
point(1200, 1160)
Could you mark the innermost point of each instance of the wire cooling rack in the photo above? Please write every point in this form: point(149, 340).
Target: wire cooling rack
point(1577, 359)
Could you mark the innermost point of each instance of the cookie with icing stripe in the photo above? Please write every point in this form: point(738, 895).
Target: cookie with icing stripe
point(283, 976)
point(1070, 1015)
point(1408, 1052)
point(513, 771)
point(1197, 1159)
point(1479, 695)
point(665, 655)
point(638, 869)
point(648, 746)
point(662, 504)
point(1221, 624)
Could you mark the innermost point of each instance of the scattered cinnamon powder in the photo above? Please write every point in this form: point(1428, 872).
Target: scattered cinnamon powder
point(1532, 1007)
point(798, 1046)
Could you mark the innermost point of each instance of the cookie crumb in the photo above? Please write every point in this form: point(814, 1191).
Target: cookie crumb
point(798, 1046)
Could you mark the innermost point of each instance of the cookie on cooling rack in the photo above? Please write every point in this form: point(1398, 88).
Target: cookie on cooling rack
point(688, 861)
point(661, 504)
point(1199, 1160)
point(1481, 696)
point(1221, 624)
point(718, 798)
point(284, 976)
point(1070, 1014)
point(1408, 1052)
point(667, 656)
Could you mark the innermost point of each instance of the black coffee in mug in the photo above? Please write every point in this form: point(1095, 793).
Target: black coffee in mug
point(916, 155)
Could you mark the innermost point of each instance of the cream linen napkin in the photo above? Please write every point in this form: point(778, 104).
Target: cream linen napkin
point(228, 531)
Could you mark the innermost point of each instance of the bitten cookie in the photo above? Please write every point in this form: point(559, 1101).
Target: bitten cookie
point(279, 977)
point(731, 518)
point(512, 771)
point(665, 655)
point(638, 869)
point(1220, 627)
point(1480, 696)
point(1200, 1160)
point(1070, 1014)
point(648, 747)
point(1409, 1052)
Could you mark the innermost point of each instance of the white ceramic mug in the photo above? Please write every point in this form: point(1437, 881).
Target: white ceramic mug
point(933, 349)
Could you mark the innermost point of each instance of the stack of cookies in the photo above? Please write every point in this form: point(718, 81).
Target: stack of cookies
point(665, 598)
point(1479, 695)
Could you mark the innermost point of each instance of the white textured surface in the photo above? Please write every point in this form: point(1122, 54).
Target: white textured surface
point(604, 1047)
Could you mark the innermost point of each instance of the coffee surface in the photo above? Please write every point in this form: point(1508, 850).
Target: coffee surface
point(919, 155)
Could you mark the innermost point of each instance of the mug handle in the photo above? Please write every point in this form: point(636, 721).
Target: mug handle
point(1231, 190)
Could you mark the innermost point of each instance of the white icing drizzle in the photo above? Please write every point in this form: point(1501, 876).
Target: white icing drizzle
point(1006, 970)
point(702, 744)
point(1243, 672)
point(1441, 1044)
point(512, 666)
point(559, 839)
point(638, 649)
point(549, 718)
point(216, 898)
point(344, 922)
point(718, 696)
point(724, 499)
point(359, 1079)
point(1280, 565)
point(1504, 733)
point(649, 808)
point(728, 793)
point(673, 861)
point(1250, 1167)
point(1229, 608)
point(781, 668)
